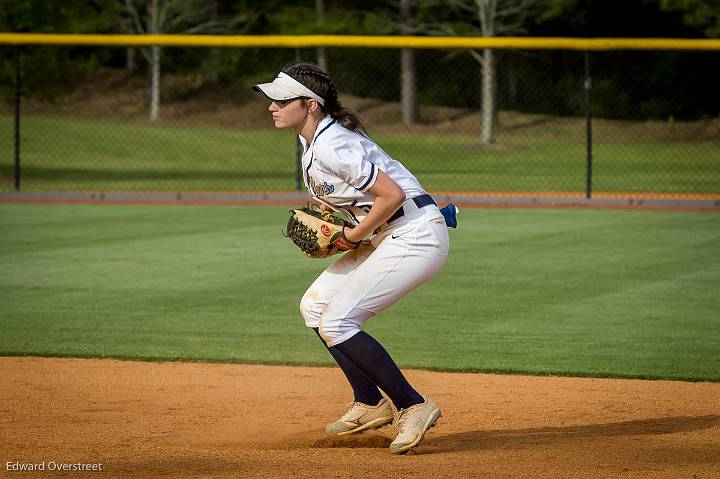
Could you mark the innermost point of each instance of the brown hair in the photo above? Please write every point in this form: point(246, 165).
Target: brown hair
point(319, 82)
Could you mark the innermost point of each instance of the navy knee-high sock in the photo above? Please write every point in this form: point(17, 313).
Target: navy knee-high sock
point(364, 389)
point(372, 359)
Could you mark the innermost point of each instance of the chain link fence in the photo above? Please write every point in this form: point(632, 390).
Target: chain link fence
point(655, 120)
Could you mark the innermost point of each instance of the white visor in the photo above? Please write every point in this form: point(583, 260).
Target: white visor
point(285, 87)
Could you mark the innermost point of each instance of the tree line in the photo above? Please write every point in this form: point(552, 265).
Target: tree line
point(500, 77)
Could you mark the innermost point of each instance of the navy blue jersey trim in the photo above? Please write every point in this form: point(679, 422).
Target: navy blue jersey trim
point(323, 130)
point(372, 175)
point(307, 170)
point(351, 215)
point(307, 176)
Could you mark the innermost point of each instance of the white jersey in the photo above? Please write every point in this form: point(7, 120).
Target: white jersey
point(340, 166)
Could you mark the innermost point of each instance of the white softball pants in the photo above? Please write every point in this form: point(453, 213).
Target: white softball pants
point(367, 280)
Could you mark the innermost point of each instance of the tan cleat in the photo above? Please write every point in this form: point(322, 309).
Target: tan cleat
point(412, 424)
point(361, 417)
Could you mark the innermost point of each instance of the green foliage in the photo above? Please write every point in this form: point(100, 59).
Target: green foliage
point(65, 66)
point(68, 16)
point(701, 13)
point(302, 20)
point(49, 71)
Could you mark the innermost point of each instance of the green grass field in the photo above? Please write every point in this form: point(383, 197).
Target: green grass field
point(569, 292)
point(61, 154)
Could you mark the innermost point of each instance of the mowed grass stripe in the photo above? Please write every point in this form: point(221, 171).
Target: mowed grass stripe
point(570, 292)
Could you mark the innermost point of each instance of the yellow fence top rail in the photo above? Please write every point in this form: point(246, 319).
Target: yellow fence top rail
point(367, 41)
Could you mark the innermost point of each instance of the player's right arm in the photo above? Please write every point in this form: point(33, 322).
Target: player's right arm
point(388, 198)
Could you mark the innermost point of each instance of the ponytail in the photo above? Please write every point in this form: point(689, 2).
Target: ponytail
point(347, 118)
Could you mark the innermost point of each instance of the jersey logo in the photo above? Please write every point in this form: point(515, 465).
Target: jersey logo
point(321, 189)
point(325, 230)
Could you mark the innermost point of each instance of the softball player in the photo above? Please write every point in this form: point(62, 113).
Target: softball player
point(346, 171)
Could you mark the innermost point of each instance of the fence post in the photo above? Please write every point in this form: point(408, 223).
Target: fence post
point(17, 118)
point(298, 146)
point(298, 164)
point(588, 128)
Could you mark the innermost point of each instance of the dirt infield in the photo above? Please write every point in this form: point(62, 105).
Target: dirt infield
point(135, 419)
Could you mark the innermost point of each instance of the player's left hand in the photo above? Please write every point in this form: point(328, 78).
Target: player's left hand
point(342, 241)
point(319, 234)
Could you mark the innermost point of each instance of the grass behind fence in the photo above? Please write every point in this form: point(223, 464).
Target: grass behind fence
point(65, 154)
point(579, 292)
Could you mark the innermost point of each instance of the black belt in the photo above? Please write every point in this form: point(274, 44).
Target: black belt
point(420, 201)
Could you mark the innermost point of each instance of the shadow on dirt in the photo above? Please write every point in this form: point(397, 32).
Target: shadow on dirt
point(359, 441)
point(515, 438)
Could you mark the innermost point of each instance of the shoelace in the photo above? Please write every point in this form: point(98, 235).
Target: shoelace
point(354, 406)
point(401, 418)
